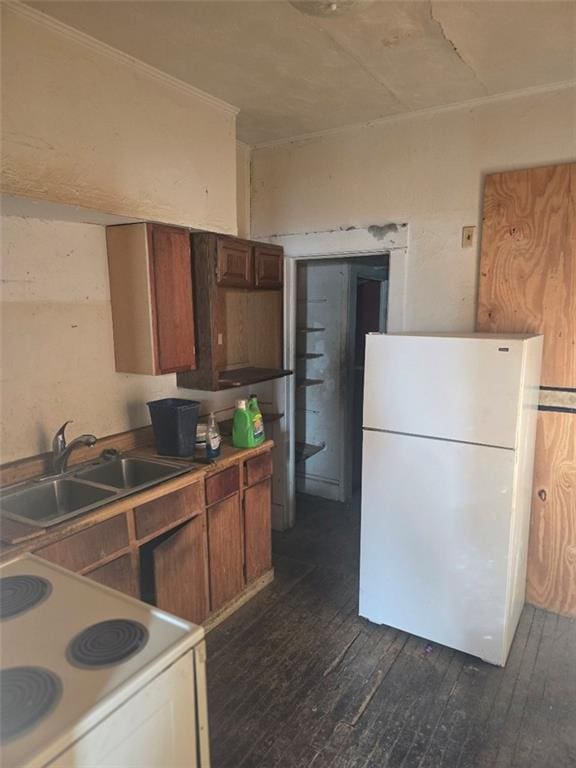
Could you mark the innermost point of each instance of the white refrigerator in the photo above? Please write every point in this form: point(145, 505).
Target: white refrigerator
point(449, 432)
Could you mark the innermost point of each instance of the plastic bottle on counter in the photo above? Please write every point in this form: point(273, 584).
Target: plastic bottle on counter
point(242, 428)
point(213, 439)
point(257, 420)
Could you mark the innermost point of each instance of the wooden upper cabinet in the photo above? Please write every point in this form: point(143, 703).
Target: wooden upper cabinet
point(239, 312)
point(268, 266)
point(234, 266)
point(152, 298)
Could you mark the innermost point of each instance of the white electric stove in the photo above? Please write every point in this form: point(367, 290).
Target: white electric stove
point(92, 677)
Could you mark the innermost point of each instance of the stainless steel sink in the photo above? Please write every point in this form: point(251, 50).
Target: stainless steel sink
point(129, 473)
point(52, 501)
point(49, 501)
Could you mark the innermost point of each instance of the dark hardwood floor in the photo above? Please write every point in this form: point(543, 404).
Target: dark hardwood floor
point(297, 679)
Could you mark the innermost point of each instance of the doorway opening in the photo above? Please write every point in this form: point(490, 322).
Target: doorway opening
point(338, 301)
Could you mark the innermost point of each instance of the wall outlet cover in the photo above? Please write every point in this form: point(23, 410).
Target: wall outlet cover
point(468, 236)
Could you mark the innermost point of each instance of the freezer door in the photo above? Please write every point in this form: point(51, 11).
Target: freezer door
point(434, 540)
point(457, 388)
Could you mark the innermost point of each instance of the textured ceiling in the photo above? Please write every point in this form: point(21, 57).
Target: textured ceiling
point(295, 68)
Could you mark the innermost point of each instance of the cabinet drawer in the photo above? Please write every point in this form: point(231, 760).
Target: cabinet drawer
point(258, 468)
point(268, 266)
point(162, 513)
point(80, 550)
point(234, 263)
point(222, 484)
point(119, 574)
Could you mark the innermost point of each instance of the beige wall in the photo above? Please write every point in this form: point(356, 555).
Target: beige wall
point(243, 156)
point(82, 126)
point(57, 344)
point(425, 170)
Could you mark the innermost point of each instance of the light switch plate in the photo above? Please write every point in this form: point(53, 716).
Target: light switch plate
point(468, 236)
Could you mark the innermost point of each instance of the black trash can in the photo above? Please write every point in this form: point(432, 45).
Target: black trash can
point(174, 423)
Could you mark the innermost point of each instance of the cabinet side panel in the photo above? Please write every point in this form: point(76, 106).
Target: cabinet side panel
point(131, 298)
point(204, 280)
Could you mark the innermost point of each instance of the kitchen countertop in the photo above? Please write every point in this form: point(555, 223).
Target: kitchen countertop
point(228, 456)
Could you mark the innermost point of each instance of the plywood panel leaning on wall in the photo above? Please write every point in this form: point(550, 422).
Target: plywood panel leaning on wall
point(552, 553)
point(528, 283)
point(528, 263)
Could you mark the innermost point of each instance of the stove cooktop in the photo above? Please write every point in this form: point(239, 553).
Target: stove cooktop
point(72, 650)
point(107, 643)
point(29, 694)
point(21, 593)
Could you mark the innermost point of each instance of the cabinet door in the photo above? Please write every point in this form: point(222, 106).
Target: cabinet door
point(234, 263)
point(268, 266)
point(258, 529)
point(120, 574)
point(171, 274)
point(180, 572)
point(225, 551)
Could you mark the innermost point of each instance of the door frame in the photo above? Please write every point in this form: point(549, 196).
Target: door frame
point(357, 273)
point(389, 239)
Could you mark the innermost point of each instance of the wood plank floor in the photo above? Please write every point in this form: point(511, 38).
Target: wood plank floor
point(297, 679)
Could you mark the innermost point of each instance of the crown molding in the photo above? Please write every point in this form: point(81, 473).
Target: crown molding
point(116, 55)
point(426, 112)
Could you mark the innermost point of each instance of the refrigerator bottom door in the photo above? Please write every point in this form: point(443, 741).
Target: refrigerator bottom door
point(435, 526)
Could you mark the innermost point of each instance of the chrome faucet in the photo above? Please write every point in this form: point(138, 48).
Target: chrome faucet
point(61, 450)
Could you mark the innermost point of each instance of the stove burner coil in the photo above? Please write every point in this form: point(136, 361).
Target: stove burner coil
point(29, 694)
point(21, 593)
point(107, 643)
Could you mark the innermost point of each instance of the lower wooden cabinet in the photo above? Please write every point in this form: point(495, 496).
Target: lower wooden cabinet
point(180, 572)
point(191, 551)
point(120, 574)
point(225, 551)
point(257, 529)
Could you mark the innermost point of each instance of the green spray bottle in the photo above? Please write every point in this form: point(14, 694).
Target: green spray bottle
point(257, 420)
point(242, 428)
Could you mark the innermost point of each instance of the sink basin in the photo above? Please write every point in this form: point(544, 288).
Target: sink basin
point(50, 502)
point(130, 473)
